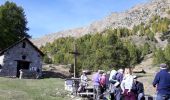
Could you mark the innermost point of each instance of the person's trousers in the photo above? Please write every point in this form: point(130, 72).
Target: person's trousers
point(140, 96)
point(118, 95)
point(96, 90)
point(129, 95)
point(162, 97)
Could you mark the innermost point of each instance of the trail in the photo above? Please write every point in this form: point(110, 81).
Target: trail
point(147, 78)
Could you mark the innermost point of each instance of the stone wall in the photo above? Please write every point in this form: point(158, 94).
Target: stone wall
point(15, 53)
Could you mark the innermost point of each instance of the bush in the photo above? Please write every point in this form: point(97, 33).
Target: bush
point(47, 60)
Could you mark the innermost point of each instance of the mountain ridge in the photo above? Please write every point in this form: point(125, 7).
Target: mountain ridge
point(140, 13)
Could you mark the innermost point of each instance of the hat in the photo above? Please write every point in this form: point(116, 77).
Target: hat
point(84, 71)
point(120, 70)
point(135, 77)
point(104, 74)
point(163, 66)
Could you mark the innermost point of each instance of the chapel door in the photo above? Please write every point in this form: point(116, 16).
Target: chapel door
point(22, 65)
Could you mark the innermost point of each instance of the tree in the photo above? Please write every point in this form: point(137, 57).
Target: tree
point(132, 52)
point(159, 56)
point(146, 49)
point(135, 29)
point(111, 37)
point(167, 54)
point(120, 56)
point(47, 60)
point(12, 24)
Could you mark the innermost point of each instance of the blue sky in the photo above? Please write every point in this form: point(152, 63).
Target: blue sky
point(50, 16)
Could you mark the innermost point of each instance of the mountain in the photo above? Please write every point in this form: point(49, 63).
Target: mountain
point(134, 16)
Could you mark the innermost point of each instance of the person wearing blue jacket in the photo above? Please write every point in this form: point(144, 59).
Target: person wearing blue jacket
point(162, 83)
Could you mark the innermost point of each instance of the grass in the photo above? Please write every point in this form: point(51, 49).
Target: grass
point(29, 89)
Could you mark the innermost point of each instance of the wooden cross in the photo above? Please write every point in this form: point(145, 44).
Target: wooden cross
point(75, 53)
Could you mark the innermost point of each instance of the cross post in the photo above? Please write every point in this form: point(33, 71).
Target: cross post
point(75, 53)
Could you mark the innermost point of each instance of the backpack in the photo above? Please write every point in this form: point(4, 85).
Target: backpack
point(114, 76)
point(103, 80)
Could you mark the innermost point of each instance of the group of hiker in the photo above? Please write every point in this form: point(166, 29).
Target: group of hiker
point(122, 85)
point(119, 85)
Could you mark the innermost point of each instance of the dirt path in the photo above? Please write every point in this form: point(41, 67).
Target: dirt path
point(147, 78)
point(56, 71)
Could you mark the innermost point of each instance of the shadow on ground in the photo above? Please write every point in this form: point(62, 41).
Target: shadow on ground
point(142, 71)
point(51, 74)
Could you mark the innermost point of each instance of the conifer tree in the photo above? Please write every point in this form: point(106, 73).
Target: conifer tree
point(13, 24)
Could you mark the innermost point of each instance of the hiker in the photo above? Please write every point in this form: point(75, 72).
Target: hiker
point(126, 85)
point(38, 73)
point(103, 83)
point(112, 76)
point(162, 83)
point(83, 82)
point(107, 79)
point(138, 88)
point(119, 78)
point(113, 82)
point(119, 75)
point(21, 74)
point(96, 84)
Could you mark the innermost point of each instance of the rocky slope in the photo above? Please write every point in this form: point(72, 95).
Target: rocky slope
point(147, 77)
point(134, 16)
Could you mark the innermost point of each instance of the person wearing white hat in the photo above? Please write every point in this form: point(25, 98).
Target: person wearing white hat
point(112, 81)
point(118, 91)
point(83, 81)
point(162, 83)
point(112, 77)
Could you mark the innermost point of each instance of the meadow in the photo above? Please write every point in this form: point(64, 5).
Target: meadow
point(30, 89)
